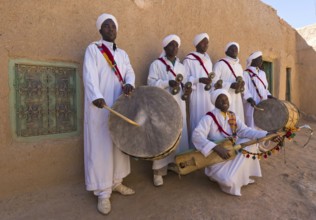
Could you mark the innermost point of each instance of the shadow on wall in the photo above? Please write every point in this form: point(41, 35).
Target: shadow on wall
point(306, 57)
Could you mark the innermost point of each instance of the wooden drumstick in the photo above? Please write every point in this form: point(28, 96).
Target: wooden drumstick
point(257, 108)
point(121, 116)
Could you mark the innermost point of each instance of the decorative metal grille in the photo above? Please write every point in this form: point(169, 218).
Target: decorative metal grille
point(45, 100)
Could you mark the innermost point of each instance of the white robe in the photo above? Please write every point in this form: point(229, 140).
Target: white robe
point(104, 163)
point(233, 174)
point(223, 72)
point(264, 92)
point(200, 100)
point(158, 76)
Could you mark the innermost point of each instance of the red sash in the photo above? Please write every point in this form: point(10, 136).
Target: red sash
point(253, 82)
point(110, 59)
point(231, 69)
point(253, 74)
point(169, 69)
point(220, 128)
point(200, 61)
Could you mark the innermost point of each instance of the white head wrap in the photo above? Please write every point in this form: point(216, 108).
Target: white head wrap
point(230, 44)
point(198, 38)
point(218, 92)
point(103, 18)
point(170, 38)
point(253, 56)
point(167, 40)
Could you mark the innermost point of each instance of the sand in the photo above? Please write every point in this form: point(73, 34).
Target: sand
point(287, 190)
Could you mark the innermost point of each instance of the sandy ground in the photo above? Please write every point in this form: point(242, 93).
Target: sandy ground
point(286, 191)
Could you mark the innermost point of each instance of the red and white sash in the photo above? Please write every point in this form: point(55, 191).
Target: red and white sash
point(252, 74)
point(110, 59)
point(200, 61)
point(231, 121)
point(230, 67)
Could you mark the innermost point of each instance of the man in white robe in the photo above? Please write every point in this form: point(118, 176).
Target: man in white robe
point(105, 165)
point(161, 77)
point(227, 69)
point(233, 174)
point(198, 65)
point(257, 84)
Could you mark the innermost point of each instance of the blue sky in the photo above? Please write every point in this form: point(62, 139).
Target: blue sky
point(297, 13)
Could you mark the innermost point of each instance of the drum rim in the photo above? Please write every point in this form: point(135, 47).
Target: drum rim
point(167, 148)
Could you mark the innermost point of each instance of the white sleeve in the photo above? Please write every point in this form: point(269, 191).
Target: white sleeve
point(129, 75)
point(246, 132)
point(154, 79)
point(218, 68)
point(91, 75)
point(199, 136)
point(188, 66)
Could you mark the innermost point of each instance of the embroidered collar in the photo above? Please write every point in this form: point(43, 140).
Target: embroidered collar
point(231, 60)
point(110, 45)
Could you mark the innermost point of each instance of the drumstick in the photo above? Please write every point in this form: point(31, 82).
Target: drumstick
point(121, 116)
point(257, 108)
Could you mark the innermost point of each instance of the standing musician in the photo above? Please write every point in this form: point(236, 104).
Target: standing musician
point(229, 69)
point(216, 126)
point(163, 73)
point(257, 84)
point(198, 67)
point(107, 73)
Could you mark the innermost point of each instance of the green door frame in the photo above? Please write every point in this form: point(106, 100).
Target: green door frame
point(288, 84)
point(267, 68)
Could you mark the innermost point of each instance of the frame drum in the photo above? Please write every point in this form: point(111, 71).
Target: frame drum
point(160, 120)
point(277, 115)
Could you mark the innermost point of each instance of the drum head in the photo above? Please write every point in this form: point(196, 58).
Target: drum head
point(274, 116)
point(160, 120)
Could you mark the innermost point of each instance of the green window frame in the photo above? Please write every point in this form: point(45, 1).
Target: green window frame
point(44, 99)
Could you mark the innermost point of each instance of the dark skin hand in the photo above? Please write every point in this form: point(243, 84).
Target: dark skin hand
point(128, 89)
point(276, 139)
point(205, 80)
point(108, 31)
point(222, 152)
point(99, 103)
point(234, 85)
point(232, 51)
point(173, 83)
point(202, 46)
point(251, 101)
point(271, 97)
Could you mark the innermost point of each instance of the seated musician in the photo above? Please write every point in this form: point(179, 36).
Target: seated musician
point(220, 124)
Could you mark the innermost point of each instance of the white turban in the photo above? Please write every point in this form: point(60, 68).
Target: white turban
point(167, 40)
point(198, 38)
point(170, 38)
point(218, 92)
point(230, 44)
point(253, 56)
point(103, 18)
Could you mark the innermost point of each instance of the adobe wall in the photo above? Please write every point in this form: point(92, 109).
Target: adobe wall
point(306, 50)
point(59, 31)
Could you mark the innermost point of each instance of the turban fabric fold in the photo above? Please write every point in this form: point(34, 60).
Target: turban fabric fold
point(230, 44)
point(217, 92)
point(253, 56)
point(103, 17)
point(198, 38)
